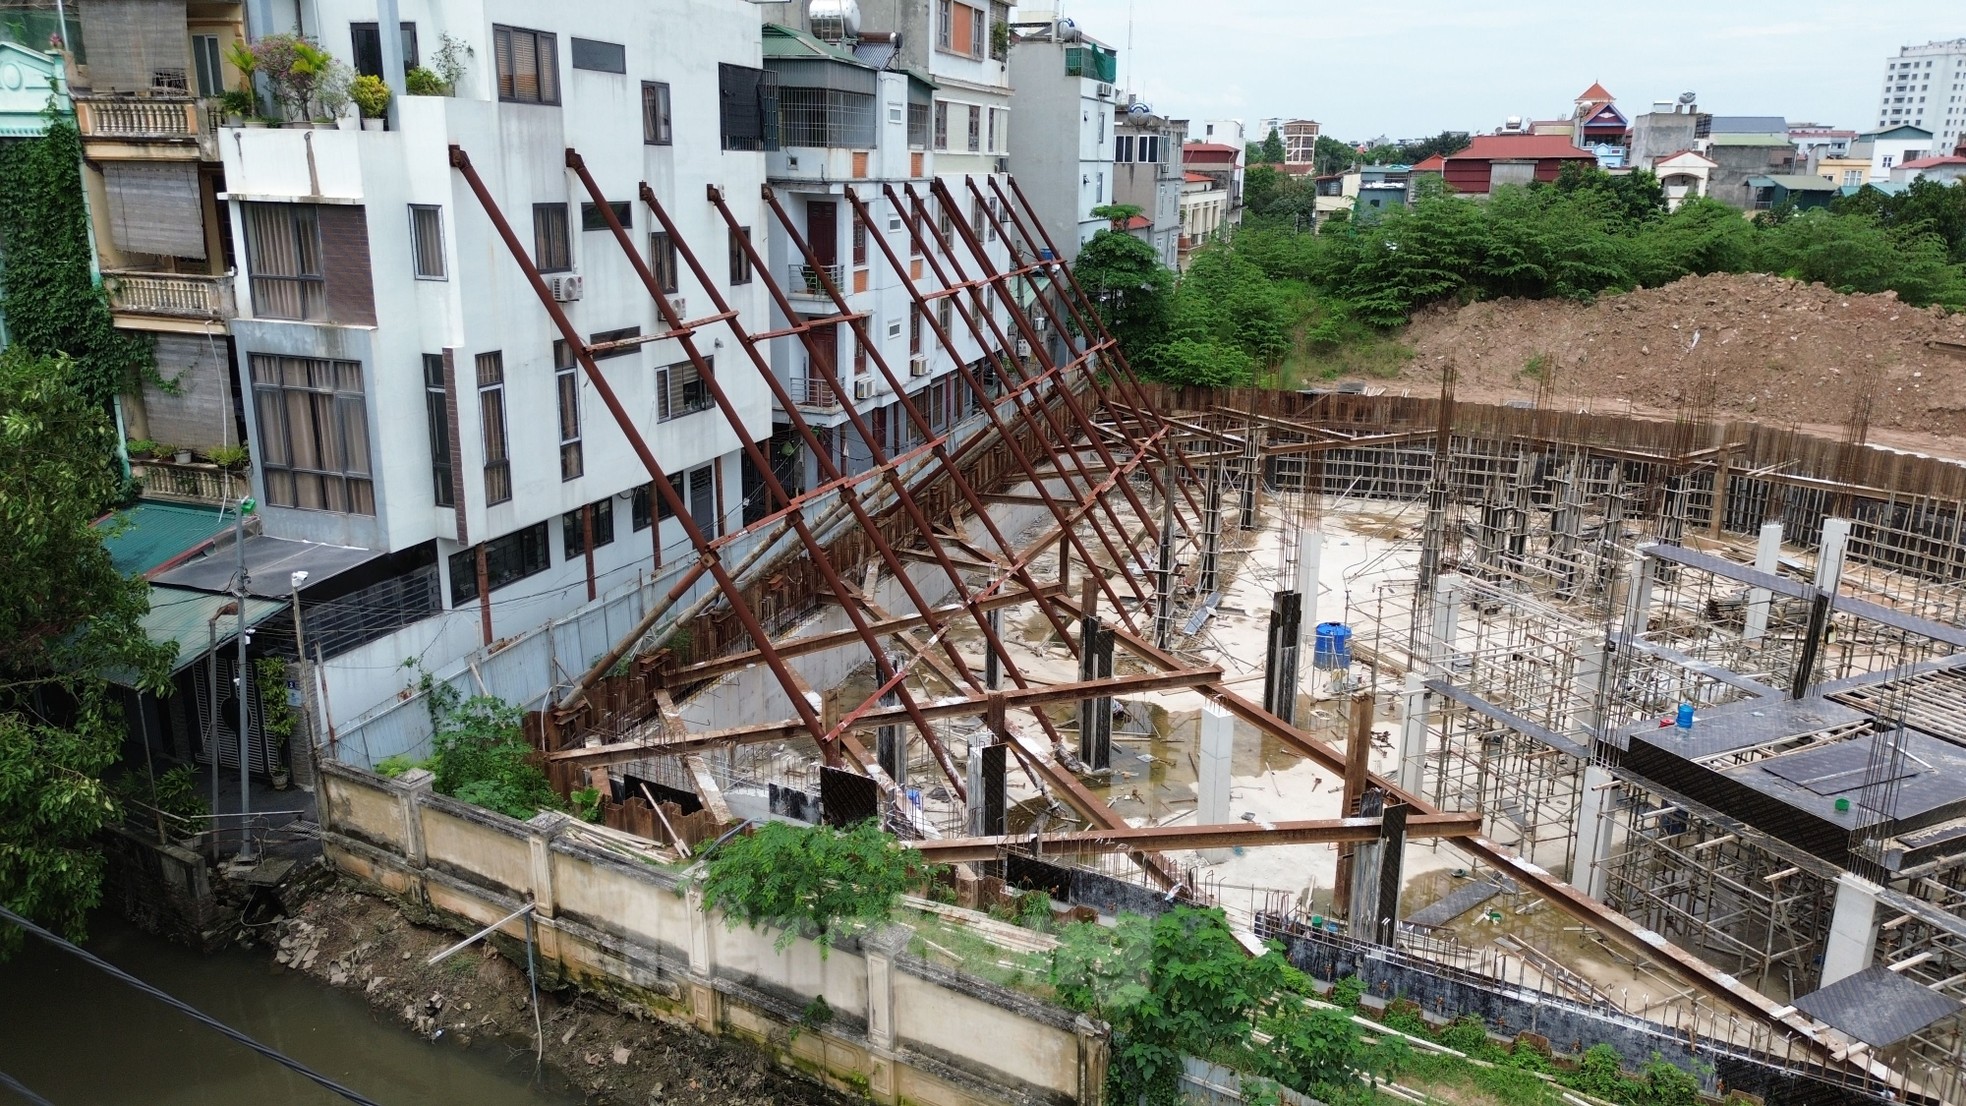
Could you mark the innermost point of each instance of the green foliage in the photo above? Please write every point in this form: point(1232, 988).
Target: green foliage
point(1858, 253)
point(450, 62)
point(1668, 1085)
point(482, 758)
point(176, 793)
point(278, 718)
point(52, 805)
point(230, 456)
point(811, 881)
point(1924, 207)
point(422, 82)
point(816, 1016)
point(371, 95)
point(1131, 288)
point(1117, 214)
point(51, 299)
point(586, 803)
point(1347, 992)
point(400, 764)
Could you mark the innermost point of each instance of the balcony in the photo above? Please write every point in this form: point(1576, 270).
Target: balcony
point(194, 482)
point(170, 295)
point(813, 393)
point(173, 126)
point(804, 280)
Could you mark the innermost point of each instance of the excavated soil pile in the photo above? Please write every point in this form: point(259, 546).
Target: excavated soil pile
point(1778, 351)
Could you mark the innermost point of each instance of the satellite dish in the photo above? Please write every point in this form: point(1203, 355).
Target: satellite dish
point(1139, 107)
point(1686, 97)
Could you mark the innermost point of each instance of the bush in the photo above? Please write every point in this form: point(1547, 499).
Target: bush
point(811, 881)
point(371, 95)
point(422, 82)
point(482, 758)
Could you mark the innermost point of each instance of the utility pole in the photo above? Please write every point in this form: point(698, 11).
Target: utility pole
point(244, 677)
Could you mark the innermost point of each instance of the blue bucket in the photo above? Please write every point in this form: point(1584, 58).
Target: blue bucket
point(1333, 650)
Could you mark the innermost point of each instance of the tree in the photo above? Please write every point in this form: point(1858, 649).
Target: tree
point(66, 617)
point(483, 757)
point(1117, 214)
point(811, 880)
point(1273, 152)
point(1856, 253)
point(1332, 156)
point(1125, 279)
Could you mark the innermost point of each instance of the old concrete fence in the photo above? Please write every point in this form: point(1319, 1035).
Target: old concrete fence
point(901, 1029)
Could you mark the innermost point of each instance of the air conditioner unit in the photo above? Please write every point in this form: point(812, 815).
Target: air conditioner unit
point(1023, 347)
point(1003, 165)
point(1105, 90)
point(677, 305)
point(918, 366)
point(566, 287)
point(863, 388)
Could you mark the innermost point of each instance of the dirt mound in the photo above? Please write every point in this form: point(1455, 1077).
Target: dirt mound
point(1778, 351)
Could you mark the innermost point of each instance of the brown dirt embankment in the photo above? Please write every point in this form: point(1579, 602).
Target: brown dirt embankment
point(1773, 350)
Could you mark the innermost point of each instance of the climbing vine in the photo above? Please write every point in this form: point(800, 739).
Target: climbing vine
point(49, 293)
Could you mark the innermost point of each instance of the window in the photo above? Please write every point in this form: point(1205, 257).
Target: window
point(509, 559)
point(893, 329)
point(918, 132)
point(747, 107)
point(551, 249)
point(597, 56)
point(427, 241)
point(703, 500)
point(646, 500)
point(436, 410)
point(914, 330)
point(740, 258)
point(491, 414)
point(528, 65)
point(313, 433)
point(365, 39)
point(995, 135)
point(283, 247)
point(979, 32)
point(608, 337)
point(945, 13)
point(679, 391)
point(827, 117)
point(566, 390)
point(1853, 176)
point(573, 528)
point(944, 314)
point(915, 240)
point(1888, 158)
point(592, 219)
point(941, 126)
point(1123, 147)
point(976, 215)
point(943, 221)
point(655, 114)
point(662, 261)
point(204, 55)
point(859, 242)
point(975, 128)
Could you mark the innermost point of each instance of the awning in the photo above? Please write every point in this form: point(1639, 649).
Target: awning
point(150, 536)
point(270, 564)
point(154, 208)
point(188, 621)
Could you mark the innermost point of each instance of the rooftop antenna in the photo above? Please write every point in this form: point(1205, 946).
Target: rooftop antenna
point(1129, 45)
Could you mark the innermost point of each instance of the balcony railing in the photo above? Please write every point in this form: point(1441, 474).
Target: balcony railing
point(178, 295)
point(813, 391)
point(197, 482)
point(803, 280)
point(147, 118)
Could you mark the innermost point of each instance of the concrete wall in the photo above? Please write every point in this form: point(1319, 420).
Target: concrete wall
point(903, 1030)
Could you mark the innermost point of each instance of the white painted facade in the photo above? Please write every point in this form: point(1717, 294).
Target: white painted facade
point(1062, 151)
point(1925, 86)
point(1891, 147)
point(483, 303)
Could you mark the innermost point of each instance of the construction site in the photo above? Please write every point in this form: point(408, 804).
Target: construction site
point(1640, 729)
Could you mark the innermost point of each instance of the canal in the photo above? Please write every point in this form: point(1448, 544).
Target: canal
point(78, 1037)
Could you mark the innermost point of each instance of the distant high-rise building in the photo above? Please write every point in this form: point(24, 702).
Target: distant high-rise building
point(1925, 86)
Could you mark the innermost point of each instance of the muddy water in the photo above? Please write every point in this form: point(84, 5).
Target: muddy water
point(74, 1035)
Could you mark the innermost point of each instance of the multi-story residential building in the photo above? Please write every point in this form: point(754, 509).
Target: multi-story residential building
point(1813, 140)
point(145, 104)
point(1222, 163)
point(1742, 157)
point(408, 391)
point(1925, 86)
point(1846, 171)
point(1204, 213)
point(1890, 147)
point(853, 129)
point(1684, 176)
point(1062, 148)
point(1229, 132)
point(1300, 142)
point(1147, 174)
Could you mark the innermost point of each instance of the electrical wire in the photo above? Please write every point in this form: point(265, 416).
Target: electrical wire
point(25, 1095)
point(180, 1006)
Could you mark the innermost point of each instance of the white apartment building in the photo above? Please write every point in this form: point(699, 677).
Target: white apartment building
point(1062, 150)
point(1147, 174)
point(407, 390)
point(1925, 86)
point(1229, 132)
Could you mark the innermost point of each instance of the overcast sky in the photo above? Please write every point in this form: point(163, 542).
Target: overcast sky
point(1409, 68)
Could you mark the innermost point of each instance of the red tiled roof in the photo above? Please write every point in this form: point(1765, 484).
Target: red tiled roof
point(1503, 147)
point(1139, 222)
point(1932, 162)
point(1432, 164)
point(1212, 147)
point(1210, 155)
point(1596, 93)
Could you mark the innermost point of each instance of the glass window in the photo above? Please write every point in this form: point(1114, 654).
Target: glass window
point(566, 392)
point(528, 65)
point(283, 249)
point(662, 261)
point(552, 251)
point(205, 56)
point(366, 43)
point(975, 128)
point(436, 410)
point(427, 241)
point(508, 559)
point(740, 258)
point(573, 528)
point(703, 500)
point(313, 433)
point(491, 414)
point(655, 114)
point(945, 11)
point(606, 337)
point(859, 242)
point(591, 217)
point(679, 391)
point(941, 126)
point(597, 56)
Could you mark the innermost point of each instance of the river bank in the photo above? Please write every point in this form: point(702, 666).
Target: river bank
point(362, 944)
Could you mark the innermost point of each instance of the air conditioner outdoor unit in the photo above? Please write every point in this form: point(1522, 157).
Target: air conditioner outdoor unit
point(1105, 90)
point(918, 366)
point(1023, 347)
point(566, 287)
point(1003, 165)
point(682, 311)
point(863, 388)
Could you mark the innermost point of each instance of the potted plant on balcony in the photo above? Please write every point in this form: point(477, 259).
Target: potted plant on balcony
point(237, 105)
point(293, 67)
point(372, 96)
point(422, 82)
point(241, 105)
point(332, 90)
point(229, 457)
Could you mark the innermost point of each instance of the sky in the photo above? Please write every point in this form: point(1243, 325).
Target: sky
point(1411, 68)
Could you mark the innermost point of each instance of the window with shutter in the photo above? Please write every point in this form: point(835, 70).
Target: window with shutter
point(551, 250)
point(662, 261)
point(436, 410)
point(313, 433)
point(491, 416)
point(528, 65)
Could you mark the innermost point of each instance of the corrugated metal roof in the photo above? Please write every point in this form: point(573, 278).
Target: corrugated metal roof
point(1767, 138)
point(145, 537)
point(270, 564)
point(781, 41)
point(1490, 147)
point(184, 618)
point(1794, 182)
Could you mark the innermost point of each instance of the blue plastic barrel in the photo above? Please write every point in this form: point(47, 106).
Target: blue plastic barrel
point(1685, 719)
point(1334, 646)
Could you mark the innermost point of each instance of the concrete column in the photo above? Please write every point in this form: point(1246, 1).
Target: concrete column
point(1446, 621)
point(1414, 703)
point(1852, 943)
point(1638, 597)
point(412, 787)
point(1210, 579)
point(1096, 713)
point(702, 996)
point(1586, 673)
point(545, 826)
point(1282, 657)
point(1767, 558)
point(880, 948)
point(1363, 917)
point(891, 746)
point(1593, 834)
point(992, 664)
point(1829, 557)
point(985, 813)
point(389, 28)
point(1310, 551)
point(1218, 733)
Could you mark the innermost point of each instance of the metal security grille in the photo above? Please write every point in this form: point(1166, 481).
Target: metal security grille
point(153, 208)
point(826, 117)
point(136, 45)
point(355, 619)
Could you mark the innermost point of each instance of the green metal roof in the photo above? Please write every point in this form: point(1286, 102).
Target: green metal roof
point(790, 42)
point(1794, 182)
point(1751, 140)
point(187, 619)
point(144, 538)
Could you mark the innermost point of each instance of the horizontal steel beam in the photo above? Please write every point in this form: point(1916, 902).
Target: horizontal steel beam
point(1244, 834)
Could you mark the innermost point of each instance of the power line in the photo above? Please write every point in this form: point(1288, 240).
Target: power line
point(180, 1006)
point(25, 1095)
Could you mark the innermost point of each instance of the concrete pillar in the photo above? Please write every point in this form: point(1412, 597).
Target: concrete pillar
point(880, 948)
point(705, 1006)
point(992, 664)
point(984, 814)
point(891, 746)
point(1638, 597)
point(1852, 943)
point(1363, 919)
point(1829, 556)
point(1593, 833)
point(1310, 552)
point(1252, 469)
point(1446, 622)
point(1210, 580)
point(1218, 733)
point(545, 826)
point(1587, 672)
point(389, 29)
point(1415, 701)
point(1767, 558)
point(1096, 713)
point(1282, 657)
point(412, 787)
